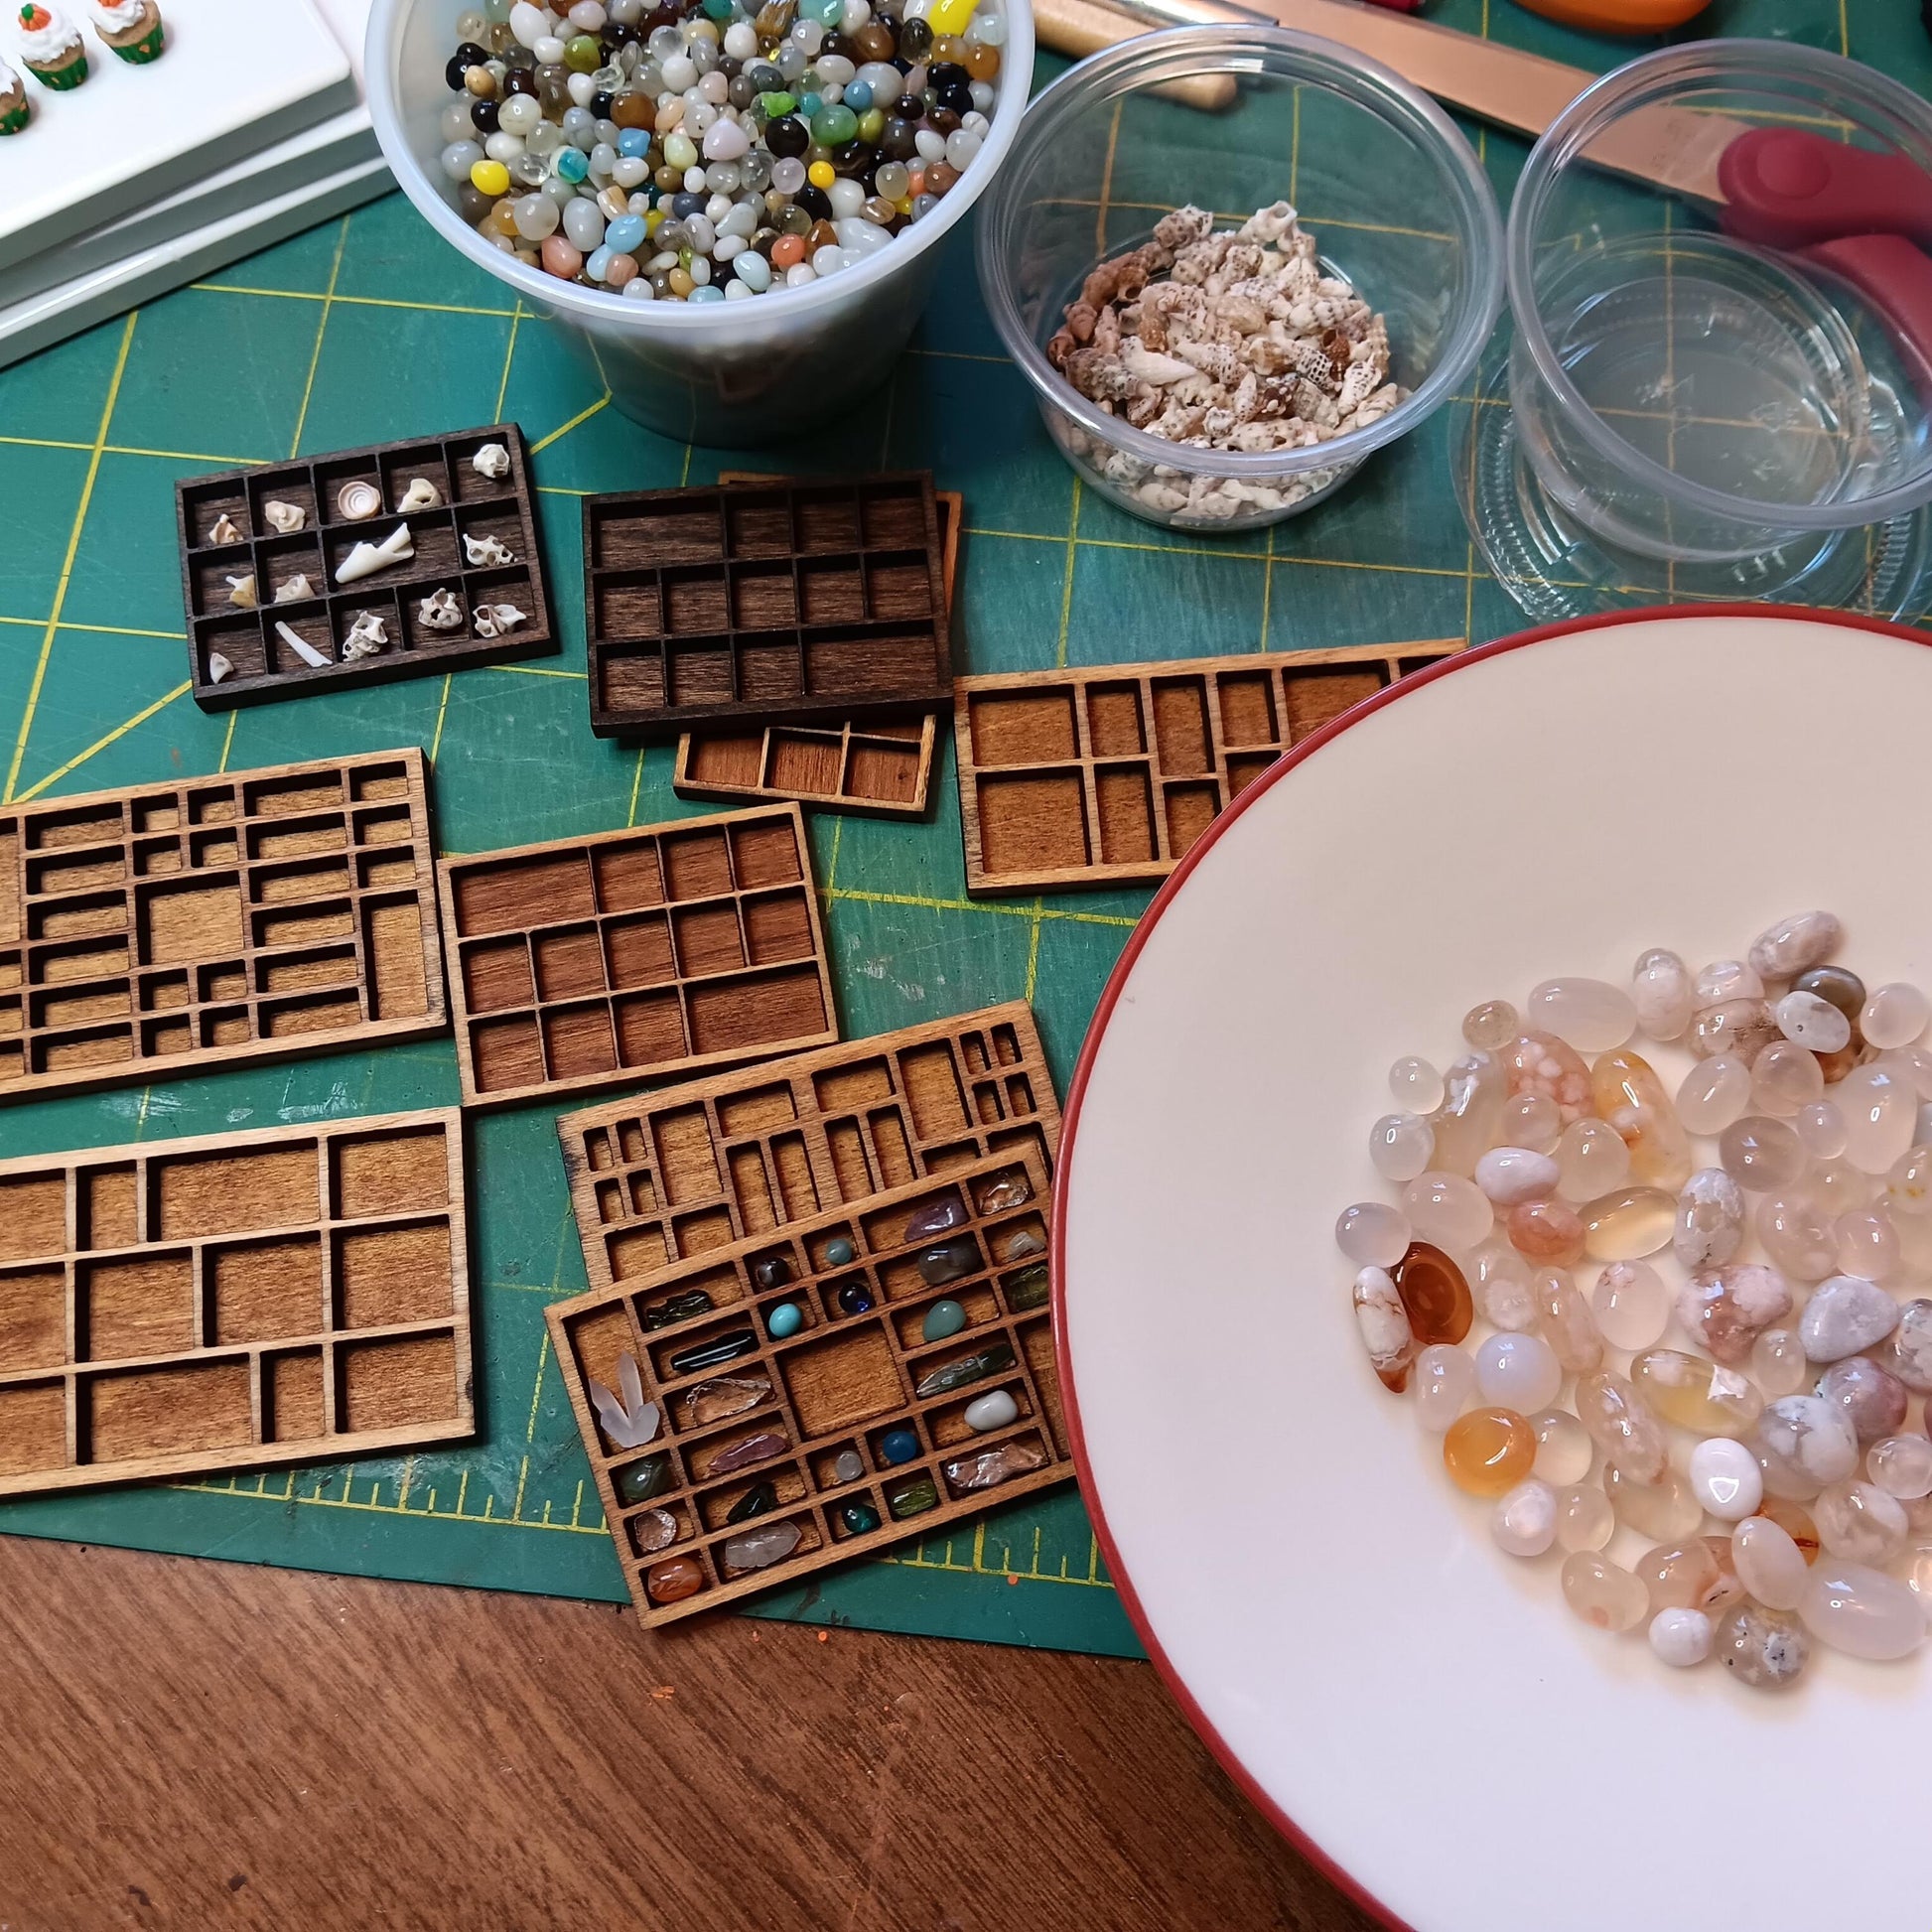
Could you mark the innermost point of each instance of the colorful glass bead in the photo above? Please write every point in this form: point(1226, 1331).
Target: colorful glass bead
point(1434, 1293)
point(785, 1320)
point(859, 1519)
point(1488, 1451)
point(853, 1298)
point(898, 1445)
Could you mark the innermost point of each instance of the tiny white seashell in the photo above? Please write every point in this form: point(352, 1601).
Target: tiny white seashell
point(366, 636)
point(440, 611)
point(218, 667)
point(242, 592)
point(368, 558)
point(493, 461)
point(358, 501)
point(498, 619)
point(422, 495)
point(285, 517)
point(292, 590)
point(487, 550)
point(225, 530)
point(301, 646)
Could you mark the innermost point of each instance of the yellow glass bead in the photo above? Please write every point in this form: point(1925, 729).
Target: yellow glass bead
point(491, 176)
point(821, 174)
point(1488, 1451)
point(655, 219)
point(681, 282)
point(951, 16)
point(904, 207)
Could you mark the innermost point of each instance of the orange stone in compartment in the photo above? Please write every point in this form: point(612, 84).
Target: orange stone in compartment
point(1488, 1451)
point(1434, 1294)
point(673, 1580)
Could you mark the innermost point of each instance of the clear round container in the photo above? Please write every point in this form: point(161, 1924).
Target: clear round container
point(728, 374)
point(1682, 393)
point(1392, 193)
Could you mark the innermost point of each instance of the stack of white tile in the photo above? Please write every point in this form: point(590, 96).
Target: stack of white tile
point(249, 127)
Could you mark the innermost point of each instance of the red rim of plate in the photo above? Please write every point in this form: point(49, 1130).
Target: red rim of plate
point(1342, 1879)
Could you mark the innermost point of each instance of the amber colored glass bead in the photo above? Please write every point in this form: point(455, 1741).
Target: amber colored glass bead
point(1796, 1522)
point(1488, 1451)
point(673, 1580)
point(633, 110)
point(1434, 1295)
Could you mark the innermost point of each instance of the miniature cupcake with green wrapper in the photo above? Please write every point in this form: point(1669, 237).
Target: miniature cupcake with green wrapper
point(52, 47)
point(132, 27)
point(14, 110)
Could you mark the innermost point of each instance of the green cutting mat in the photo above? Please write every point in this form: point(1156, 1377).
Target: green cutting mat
point(364, 331)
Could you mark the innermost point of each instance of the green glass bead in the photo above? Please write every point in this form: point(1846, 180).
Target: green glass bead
point(582, 53)
point(860, 1518)
point(571, 164)
point(825, 12)
point(718, 9)
point(776, 106)
point(639, 1482)
point(834, 125)
point(943, 1319)
point(839, 1251)
point(872, 125)
point(1028, 1289)
point(913, 1497)
point(967, 1368)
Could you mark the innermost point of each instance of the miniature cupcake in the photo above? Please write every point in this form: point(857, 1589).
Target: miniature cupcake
point(14, 111)
point(132, 27)
point(51, 43)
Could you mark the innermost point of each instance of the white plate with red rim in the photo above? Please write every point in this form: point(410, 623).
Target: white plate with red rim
point(1417, 1709)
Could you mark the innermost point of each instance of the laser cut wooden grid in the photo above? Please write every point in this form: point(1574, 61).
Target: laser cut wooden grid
point(219, 1304)
point(1106, 776)
point(646, 953)
point(254, 915)
point(838, 1386)
point(658, 1178)
point(882, 768)
point(472, 505)
point(764, 602)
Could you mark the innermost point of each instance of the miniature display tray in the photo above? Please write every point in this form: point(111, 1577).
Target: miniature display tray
point(252, 915)
point(838, 1385)
point(764, 602)
point(180, 1306)
point(1105, 775)
point(474, 505)
point(659, 1177)
point(638, 954)
point(882, 768)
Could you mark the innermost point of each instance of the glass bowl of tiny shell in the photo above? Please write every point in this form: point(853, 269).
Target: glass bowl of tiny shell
point(1232, 120)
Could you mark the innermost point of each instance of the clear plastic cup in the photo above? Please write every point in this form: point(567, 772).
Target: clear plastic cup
point(1687, 396)
point(1393, 193)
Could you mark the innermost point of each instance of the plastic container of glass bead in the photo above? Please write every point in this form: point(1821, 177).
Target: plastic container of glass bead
point(1393, 195)
point(718, 373)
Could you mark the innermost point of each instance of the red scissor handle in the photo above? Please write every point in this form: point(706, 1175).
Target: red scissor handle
point(1895, 278)
point(1786, 187)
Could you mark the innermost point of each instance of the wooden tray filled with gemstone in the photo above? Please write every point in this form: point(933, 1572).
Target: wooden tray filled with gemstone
point(882, 767)
point(641, 954)
point(767, 602)
point(280, 535)
point(180, 1306)
point(659, 1177)
point(254, 915)
point(820, 1391)
point(1106, 776)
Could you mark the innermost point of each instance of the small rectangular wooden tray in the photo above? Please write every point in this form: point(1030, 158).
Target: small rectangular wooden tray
point(634, 955)
point(252, 915)
point(179, 1306)
point(473, 507)
point(1106, 775)
point(764, 603)
point(855, 1412)
point(658, 1178)
point(882, 768)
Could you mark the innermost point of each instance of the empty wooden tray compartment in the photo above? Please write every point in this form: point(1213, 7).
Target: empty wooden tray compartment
point(1106, 776)
point(764, 603)
point(632, 955)
point(249, 915)
point(477, 545)
point(180, 1306)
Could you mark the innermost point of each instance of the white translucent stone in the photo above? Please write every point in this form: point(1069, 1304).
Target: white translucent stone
point(1909, 1355)
point(1768, 1563)
point(1681, 1637)
point(1631, 1304)
point(1709, 1220)
point(1663, 995)
point(1416, 1084)
point(1902, 1466)
point(1715, 1093)
point(1821, 1127)
point(1795, 943)
point(1493, 1024)
point(1881, 1113)
point(1504, 1287)
point(1592, 1015)
point(1728, 978)
point(1508, 1175)
point(1778, 1364)
point(1894, 1016)
point(1845, 1315)
point(1447, 1209)
point(1860, 1522)
point(1444, 1378)
point(1531, 1120)
point(1592, 1161)
point(1813, 1022)
point(1372, 1234)
point(1525, 1520)
point(1837, 1186)
point(1564, 1452)
point(1725, 1478)
point(1519, 1372)
point(1400, 1145)
point(1908, 1186)
point(1475, 1087)
point(1809, 1436)
point(1861, 1612)
point(1867, 1244)
point(1585, 1518)
point(1914, 1065)
point(1786, 1076)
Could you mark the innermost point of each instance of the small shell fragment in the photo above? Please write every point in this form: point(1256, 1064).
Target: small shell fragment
point(225, 530)
point(358, 501)
point(367, 636)
point(493, 461)
point(487, 550)
point(498, 619)
point(422, 495)
point(242, 592)
point(368, 558)
point(285, 518)
point(218, 667)
point(440, 611)
point(292, 590)
point(301, 646)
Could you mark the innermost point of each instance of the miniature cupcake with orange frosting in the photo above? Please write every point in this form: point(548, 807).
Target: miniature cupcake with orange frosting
point(52, 47)
point(132, 27)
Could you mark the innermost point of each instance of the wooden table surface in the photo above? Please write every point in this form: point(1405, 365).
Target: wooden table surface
point(204, 1744)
